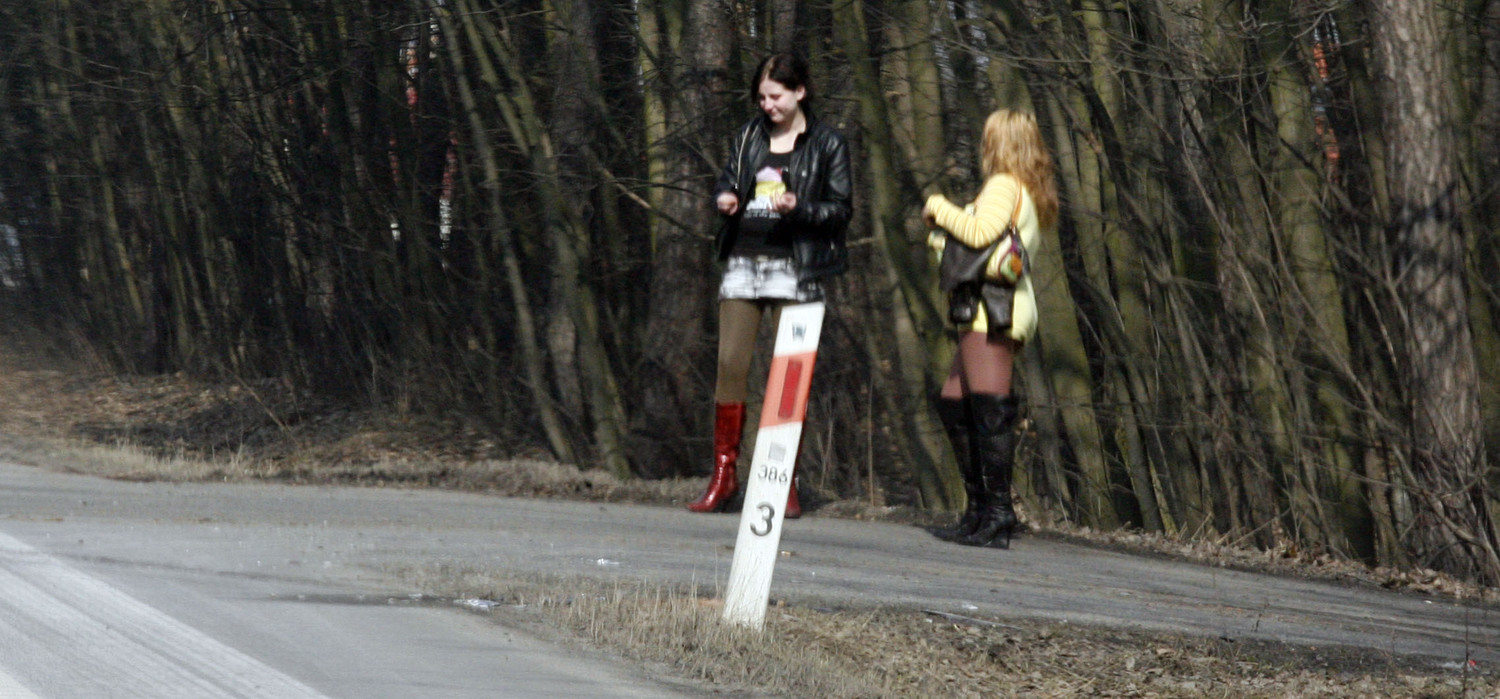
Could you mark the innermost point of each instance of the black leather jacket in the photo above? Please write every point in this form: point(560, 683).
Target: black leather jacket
point(818, 175)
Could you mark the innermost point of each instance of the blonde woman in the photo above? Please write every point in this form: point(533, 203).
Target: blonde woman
point(975, 405)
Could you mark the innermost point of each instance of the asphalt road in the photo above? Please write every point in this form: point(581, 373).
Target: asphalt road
point(112, 588)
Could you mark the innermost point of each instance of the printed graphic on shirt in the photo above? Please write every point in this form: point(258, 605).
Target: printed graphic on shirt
point(768, 186)
point(761, 230)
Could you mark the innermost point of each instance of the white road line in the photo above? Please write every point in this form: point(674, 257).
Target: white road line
point(11, 689)
point(64, 633)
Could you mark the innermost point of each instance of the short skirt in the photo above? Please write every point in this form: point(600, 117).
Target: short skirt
point(766, 277)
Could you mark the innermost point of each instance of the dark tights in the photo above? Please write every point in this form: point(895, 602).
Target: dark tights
point(739, 324)
point(981, 366)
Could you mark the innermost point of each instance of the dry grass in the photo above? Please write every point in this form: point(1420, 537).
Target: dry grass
point(909, 653)
point(60, 408)
point(1283, 560)
point(123, 461)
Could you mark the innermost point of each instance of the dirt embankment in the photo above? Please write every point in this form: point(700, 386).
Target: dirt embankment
point(175, 427)
point(61, 410)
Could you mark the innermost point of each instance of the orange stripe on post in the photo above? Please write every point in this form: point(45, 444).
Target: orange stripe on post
point(790, 382)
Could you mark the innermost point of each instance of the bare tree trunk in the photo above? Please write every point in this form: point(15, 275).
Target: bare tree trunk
point(1313, 308)
point(912, 307)
point(500, 232)
point(678, 340)
point(1065, 370)
point(785, 35)
point(1454, 531)
point(1481, 158)
point(916, 91)
point(564, 163)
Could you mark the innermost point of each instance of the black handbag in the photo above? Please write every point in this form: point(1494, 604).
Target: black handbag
point(961, 275)
point(964, 300)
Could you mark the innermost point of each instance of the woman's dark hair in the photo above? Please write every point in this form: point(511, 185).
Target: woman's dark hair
point(789, 69)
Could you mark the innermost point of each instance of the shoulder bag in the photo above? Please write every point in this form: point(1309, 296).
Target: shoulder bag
point(962, 275)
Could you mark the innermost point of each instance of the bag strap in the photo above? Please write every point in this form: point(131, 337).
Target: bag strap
point(1020, 192)
point(1015, 232)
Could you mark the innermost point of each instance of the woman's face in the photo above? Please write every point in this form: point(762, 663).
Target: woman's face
point(778, 102)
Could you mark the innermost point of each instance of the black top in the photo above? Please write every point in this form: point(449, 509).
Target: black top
point(818, 173)
point(761, 232)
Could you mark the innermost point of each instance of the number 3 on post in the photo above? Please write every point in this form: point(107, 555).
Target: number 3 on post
point(766, 509)
point(776, 443)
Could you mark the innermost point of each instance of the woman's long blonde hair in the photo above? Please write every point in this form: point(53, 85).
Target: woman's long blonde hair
point(1013, 144)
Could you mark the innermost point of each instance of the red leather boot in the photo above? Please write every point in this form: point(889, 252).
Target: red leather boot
point(793, 507)
point(729, 422)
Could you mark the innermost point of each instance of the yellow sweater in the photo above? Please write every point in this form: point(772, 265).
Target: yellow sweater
point(991, 213)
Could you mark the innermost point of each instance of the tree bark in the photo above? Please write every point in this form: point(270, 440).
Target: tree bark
point(912, 303)
point(500, 233)
point(1454, 530)
point(671, 432)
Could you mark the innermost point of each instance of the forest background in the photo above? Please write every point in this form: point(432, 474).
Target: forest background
point(1269, 315)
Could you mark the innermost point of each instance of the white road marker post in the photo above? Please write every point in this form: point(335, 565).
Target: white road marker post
point(771, 467)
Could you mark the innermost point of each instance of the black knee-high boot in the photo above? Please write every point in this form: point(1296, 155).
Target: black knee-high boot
point(958, 425)
point(994, 442)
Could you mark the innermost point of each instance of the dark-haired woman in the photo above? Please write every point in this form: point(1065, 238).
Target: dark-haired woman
point(976, 406)
point(784, 194)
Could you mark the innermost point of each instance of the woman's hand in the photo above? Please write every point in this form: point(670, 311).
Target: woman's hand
point(784, 203)
point(728, 203)
point(929, 217)
point(937, 239)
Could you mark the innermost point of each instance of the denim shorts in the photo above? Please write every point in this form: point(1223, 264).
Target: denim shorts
point(762, 277)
